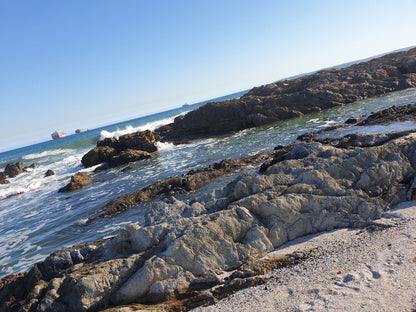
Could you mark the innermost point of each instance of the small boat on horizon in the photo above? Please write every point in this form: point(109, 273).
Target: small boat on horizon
point(186, 105)
point(78, 131)
point(58, 135)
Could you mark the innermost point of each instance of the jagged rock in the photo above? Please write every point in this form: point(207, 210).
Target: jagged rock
point(390, 115)
point(110, 142)
point(98, 155)
point(49, 173)
point(292, 98)
point(12, 170)
point(78, 181)
point(128, 148)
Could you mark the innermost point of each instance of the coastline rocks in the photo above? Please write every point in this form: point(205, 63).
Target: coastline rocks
point(78, 181)
point(313, 187)
point(128, 148)
point(13, 170)
point(293, 98)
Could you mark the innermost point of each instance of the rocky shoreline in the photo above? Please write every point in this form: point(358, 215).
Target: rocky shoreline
point(199, 246)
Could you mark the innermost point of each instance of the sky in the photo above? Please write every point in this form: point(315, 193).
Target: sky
point(89, 63)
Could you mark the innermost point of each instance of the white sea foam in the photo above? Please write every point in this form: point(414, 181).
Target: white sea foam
point(165, 146)
point(45, 154)
point(130, 129)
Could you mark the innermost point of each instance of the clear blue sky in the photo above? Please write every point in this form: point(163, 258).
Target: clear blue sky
point(82, 64)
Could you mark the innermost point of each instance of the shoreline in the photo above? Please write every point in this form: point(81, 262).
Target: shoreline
point(351, 270)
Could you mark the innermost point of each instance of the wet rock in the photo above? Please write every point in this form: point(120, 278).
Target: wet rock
point(13, 170)
point(98, 155)
point(34, 165)
point(78, 181)
point(49, 173)
point(128, 148)
point(353, 120)
point(129, 155)
point(142, 141)
point(103, 167)
point(390, 115)
point(3, 178)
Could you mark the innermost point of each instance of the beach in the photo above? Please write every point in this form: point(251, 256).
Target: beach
point(368, 269)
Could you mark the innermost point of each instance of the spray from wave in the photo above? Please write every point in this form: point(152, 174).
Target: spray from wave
point(130, 129)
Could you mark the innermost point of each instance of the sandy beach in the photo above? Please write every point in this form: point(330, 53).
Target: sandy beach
point(371, 269)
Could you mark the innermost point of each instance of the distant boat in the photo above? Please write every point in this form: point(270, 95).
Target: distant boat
point(58, 135)
point(78, 131)
point(185, 105)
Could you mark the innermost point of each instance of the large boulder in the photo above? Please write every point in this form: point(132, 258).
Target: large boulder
point(78, 181)
point(98, 155)
point(142, 141)
point(128, 148)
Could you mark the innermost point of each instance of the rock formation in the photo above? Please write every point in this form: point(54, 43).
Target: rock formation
point(12, 170)
point(78, 181)
point(292, 98)
point(3, 178)
point(183, 247)
point(128, 148)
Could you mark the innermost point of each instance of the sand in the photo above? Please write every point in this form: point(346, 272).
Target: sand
point(372, 269)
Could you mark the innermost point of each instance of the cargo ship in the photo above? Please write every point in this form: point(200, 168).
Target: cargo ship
point(58, 135)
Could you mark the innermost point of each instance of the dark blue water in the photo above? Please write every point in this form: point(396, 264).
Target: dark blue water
point(40, 220)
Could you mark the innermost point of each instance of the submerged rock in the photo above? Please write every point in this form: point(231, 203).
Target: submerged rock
point(78, 181)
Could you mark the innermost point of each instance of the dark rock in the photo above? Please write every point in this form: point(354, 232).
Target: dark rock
point(103, 167)
point(98, 155)
point(3, 177)
point(353, 120)
point(34, 165)
point(128, 148)
point(129, 155)
point(49, 173)
point(128, 168)
point(12, 170)
point(390, 115)
point(78, 181)
point(110, 142)
point(142, 141)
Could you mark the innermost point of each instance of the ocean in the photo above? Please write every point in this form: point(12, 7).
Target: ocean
point(36, 220)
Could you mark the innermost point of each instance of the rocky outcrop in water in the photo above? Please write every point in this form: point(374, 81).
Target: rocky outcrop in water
point(49, 173)
point(13, 170)
point(78, 181)
point(292, 98)
point(193, 249)
point(128, 148)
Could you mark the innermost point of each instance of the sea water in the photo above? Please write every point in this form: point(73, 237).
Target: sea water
point(36, 220)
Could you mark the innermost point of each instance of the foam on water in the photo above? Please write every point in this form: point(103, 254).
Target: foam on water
point(130, 129)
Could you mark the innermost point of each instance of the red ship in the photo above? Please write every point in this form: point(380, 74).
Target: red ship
point(58, 135)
